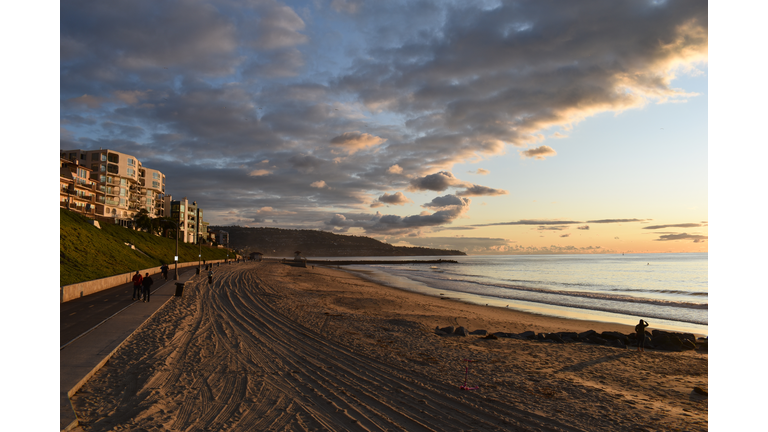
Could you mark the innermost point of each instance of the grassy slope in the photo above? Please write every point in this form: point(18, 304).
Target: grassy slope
point(87, 253)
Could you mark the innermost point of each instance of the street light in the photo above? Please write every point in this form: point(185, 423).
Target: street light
point(176, 258)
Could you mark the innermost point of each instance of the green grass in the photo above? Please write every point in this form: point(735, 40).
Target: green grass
point(88, 253)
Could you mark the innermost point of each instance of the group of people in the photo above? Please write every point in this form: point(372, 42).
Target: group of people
point(141, 286)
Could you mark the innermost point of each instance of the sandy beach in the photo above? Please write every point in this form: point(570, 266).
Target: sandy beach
point(273, 347)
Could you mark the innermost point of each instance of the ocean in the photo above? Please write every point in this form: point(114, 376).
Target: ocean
point(667, 290)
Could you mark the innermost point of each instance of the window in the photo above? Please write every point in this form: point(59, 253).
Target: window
point(82, 173)
point(156, 176)
point(131, 172)
point(123, 182)
point(112, 169)
point(94, 156)
point(122, 202)
point(103, 158)
point(156, 185)
point(131, 162)
point(103, 168)
point(103, 179)
point(123, 192)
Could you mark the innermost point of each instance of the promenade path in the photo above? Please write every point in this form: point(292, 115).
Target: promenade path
point(94, 326)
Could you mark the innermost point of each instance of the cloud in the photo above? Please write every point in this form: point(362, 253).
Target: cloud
point(684, 236)
point(684, 225)
point(395, 169)
point(450, 208)
point(477, 190)
point(319, 184)
point(602, 221)
point(552, 228)
point(354, 141)
point(438, 182)
point(539, 153)
point(583, 227)
point(259, 172)
point(565, 235)
point(480, 171)
point(395, 199)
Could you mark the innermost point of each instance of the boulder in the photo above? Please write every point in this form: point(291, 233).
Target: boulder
point(490, 336)
point(501, 334)
point(587, 334)
point(478, 332)
point(554, 337)
point(681, 336)
point(448, 330)
point(616, 343)
point(528, 335)
point(668, 342)
point(541, 336)
point(569, 336)
point(595, 339)
point(688, 345)
point(461, 331)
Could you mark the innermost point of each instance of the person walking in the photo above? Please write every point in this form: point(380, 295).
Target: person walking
point(137, 285)
point(147, 283)
point(210, 277)
point(164, 269)
point(640, 329)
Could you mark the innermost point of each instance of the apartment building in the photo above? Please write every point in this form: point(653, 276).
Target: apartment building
point(78, 191)
point(125, 184)
point(190, 217)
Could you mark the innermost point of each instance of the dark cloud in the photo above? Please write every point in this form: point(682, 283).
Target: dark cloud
point(684, 236)
point(565, 235)
point(477, 190)
point(531, 222)
point(685, 225)
point(447, 201)
point(552, 228)
point(396, 199)
point(437, 182)
point(583, 227)
point(602, 221)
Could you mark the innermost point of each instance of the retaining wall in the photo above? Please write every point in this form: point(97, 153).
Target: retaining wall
point(74, 291)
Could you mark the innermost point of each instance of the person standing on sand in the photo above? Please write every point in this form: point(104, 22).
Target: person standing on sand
point(640, 329)
point(147, 283)
point(136, 285)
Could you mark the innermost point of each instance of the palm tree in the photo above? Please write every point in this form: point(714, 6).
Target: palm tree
point(143, 221)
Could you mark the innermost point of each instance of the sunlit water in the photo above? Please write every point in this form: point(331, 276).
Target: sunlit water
point(668, 289)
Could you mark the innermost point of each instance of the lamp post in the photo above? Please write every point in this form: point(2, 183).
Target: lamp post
point(176, 258)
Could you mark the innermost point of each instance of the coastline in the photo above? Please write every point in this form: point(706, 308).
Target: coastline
point(579, 318)
point(324, 349)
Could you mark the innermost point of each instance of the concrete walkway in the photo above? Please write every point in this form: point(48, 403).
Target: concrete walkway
point(82, 358)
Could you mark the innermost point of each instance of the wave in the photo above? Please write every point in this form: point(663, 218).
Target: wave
point(579, 294)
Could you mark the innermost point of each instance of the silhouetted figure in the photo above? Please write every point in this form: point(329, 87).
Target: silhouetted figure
point(147, 284)
point(137, 285)
point(640, 329)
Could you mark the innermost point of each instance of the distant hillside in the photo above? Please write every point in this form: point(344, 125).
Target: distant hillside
point(283, 242)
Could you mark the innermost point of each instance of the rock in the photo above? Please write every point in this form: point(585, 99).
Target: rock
point(569, 336)
point(478, 332)
point(667, 342)
point(616, 343)
point(541, 336)
point(595, 339)
point(554, 337)
point(501, 334)
point(688, 345)
point(700, 391)
point(448, 330)
point(587, 334)
point(528, 335)
point(681, 336)
point(461, 331)
point(490, 336)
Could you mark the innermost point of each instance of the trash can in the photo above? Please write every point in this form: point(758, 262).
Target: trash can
point(179, 289)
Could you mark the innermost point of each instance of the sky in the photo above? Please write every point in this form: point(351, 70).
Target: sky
point(482, 126)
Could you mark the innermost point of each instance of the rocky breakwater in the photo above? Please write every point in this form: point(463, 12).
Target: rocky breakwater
point(657, 339)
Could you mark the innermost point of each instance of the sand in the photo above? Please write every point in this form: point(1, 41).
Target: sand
point(274, 347)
